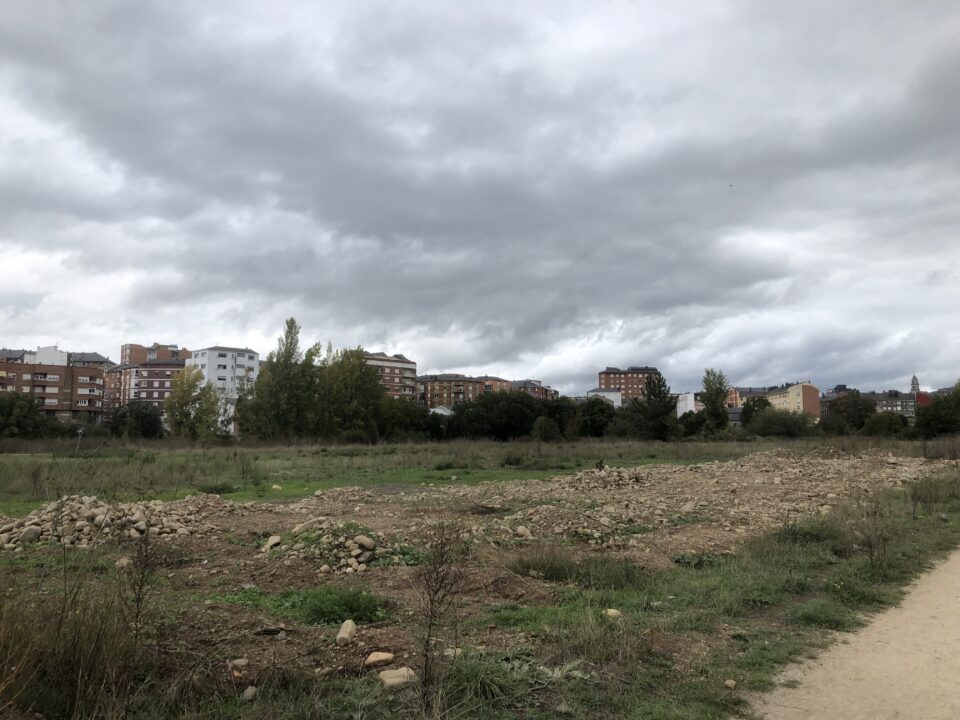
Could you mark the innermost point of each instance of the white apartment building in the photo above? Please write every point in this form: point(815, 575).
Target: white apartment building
point(228, 369)
point(612, 395)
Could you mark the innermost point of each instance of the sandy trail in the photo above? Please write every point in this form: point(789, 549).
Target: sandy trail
point(905, 664)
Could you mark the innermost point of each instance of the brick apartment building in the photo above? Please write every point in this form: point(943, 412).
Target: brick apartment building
point(398, 374)
point(448, 389)
point(494, 384)
point(144, 373)
point(69, 393)
point(630, 382)
point(535, 388)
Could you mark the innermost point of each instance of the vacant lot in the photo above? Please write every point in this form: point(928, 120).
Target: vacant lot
point(645, 589)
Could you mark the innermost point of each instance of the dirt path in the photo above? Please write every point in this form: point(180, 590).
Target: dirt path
point(905, 664)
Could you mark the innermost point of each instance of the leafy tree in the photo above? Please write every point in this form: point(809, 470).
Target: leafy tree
point(942, 416)
point(137, 419)
point(595, 415)
point(659, 410)
point(282, 402)
point(714, 398)
point(692, 423)
point(402, 419)
point(752, 406)
point(350, 395)
point(847, 413)
point(884, 424)
point(544, 430)
point(781, 423)
point(195, 410)
point(20, 417)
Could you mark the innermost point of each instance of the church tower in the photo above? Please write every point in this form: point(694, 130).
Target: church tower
point(914, 385)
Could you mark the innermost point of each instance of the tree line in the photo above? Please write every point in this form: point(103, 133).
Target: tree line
point(321, 394)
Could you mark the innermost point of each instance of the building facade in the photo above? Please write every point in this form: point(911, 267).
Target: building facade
point(689, 402)
point(535, 388)
point(630, 382)
point(448, 389)
point(397, 374)
point(133, 354)
point(228, 369)
point(494, 384)
point(69, 394)
point(798, 397)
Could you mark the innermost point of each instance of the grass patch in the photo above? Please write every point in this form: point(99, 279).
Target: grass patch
point(599, 572)
point(317, 606)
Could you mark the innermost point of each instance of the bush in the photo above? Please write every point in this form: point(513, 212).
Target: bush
point(884, 425)
point(781, 423)
point(318, 606)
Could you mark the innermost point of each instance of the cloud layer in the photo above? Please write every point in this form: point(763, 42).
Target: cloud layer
point(539, 191)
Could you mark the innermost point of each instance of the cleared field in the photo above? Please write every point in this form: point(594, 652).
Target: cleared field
point(662, 590)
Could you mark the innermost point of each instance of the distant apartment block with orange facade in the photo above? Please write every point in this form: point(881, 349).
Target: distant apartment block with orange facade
point(145, 373)
point(398, 374)
point(631, 382)
point(536, 389)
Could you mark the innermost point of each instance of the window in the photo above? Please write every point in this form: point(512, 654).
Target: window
point(203, 367)
point(156, 395)
point(50, 401)
point(83, 403)
point(53, 378)
point(221, 355)
point(156, 383)
point(168, 375)
point(83, 379)
point(136, 393)
point(221, 367)
point(221, 378)
point(25, 388)
point(13, 376)
point(250, 357)
point(166, 383)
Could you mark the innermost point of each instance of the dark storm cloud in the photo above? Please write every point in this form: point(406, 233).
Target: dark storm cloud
point(546, 192)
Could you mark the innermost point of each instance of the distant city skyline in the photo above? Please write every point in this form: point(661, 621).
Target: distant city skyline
point(532, 190)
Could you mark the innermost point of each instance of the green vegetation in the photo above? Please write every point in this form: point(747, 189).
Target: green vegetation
point(322, 605)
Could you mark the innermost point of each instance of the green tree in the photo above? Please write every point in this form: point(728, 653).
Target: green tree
point(595, 415)
point(692, 423)
point(884, 424)
point(282, 403)
point(19, 416)
point(752, 406)
point(137, 419)
point(350, 394)
point(942, 416)
point(544, 430)
point(714, 399)
point(659, 410)
point(780, 423)
point(196, 410)
point(847, 413)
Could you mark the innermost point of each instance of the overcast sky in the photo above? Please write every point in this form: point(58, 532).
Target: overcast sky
point(536, 189)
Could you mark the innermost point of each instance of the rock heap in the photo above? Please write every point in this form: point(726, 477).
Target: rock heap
point(84, 521)
point(337, 547)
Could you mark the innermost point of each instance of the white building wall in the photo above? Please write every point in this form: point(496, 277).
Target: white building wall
point(614, 396)
point(686, 402)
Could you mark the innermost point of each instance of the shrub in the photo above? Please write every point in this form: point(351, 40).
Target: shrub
point(317, 606)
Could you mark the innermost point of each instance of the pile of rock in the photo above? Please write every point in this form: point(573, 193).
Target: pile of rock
point(83, 521)
point(332, 544)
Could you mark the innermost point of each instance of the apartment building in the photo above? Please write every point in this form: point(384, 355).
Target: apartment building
point(535, 388)
point(229, 369)
point(133, 354)
point(448, 389)
point(494, 384)
point(630, 382)
point(737, 396)
point(398, 374)
point(797, 397)
point(67, 393)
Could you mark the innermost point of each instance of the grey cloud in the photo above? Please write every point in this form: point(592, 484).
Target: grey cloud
point(459, 172)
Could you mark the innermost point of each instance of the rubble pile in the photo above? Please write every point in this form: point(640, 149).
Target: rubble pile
point(84, 521)
point(335, 546)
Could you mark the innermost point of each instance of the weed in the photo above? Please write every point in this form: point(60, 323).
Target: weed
point(824, 613)
point(317, 606)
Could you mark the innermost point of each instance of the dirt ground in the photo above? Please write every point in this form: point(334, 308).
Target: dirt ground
point(904, 665)
point(649, 514)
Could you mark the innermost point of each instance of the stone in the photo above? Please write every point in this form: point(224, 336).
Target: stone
point(612, 613)
point(688, 507)
point(305, 526)
point(523, 532)
point(276, 487)
point(396, 678)
point(324, 569)
point(730, 684)
point(29, 534)
point(364, 542)
point(250, 694)
point(272, 542)
point(124, 563)
point(377, 659)
point(237, 664)
point(348, 631)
